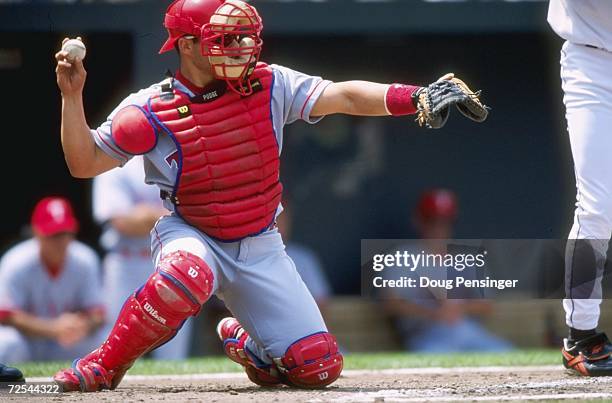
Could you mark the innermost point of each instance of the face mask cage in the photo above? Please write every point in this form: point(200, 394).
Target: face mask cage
point(233, 44)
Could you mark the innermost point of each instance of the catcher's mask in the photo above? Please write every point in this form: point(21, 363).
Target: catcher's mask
point(232, 42)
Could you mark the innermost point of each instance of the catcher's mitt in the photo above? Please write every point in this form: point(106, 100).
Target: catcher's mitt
point(433, 102)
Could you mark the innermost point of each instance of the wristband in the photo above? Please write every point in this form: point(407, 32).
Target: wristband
point(399, 99)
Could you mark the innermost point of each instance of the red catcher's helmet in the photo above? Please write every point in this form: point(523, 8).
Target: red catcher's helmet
point(230, 34)
point(437, 203)
point(187, 17)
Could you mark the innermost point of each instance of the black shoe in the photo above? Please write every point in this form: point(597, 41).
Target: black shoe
point(588, 357)
point(10, 374)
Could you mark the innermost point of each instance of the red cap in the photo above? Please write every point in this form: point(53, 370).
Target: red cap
point(437, 203)
point(186, 17)
point(53, 215)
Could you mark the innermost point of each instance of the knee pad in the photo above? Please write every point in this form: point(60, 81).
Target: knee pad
point(178, 288)
point(311, 362)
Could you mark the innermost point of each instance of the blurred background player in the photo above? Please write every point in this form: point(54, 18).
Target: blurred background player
point(586, 62)
point(50, 292)
point(306, 261)
point(425, 321)
point(127, 208)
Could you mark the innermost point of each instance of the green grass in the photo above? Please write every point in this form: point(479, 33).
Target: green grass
point(412, 360)
point(352, 361)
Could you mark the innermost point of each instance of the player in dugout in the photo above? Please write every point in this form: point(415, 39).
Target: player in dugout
point(211, 137)
point(50, 290)
point(426, 321)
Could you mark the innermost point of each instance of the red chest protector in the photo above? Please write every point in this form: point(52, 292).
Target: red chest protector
point(228, 178)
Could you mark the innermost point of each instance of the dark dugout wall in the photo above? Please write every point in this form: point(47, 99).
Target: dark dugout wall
point(349, 178)
point(31, 107)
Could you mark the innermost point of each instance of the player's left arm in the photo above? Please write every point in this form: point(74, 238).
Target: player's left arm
point(431, 103)
point(94, 318)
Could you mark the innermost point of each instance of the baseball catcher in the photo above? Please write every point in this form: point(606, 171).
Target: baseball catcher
point(211, 137)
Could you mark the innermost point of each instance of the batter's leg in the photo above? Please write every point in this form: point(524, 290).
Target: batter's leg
point(284, 333)
point(588, 101)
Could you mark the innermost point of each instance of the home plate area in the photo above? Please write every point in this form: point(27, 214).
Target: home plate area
point(542, 383)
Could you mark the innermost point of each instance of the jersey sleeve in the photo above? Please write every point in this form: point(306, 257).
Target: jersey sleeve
point(111, 195)
point(295, 94)
point(90, 296)
point(314, 276)
point(13, 292)
point(103, 134)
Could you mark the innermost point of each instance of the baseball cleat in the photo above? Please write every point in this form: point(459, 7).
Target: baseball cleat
point(87, 375)
point(229, 328)
point(68, 380)
point(10, 374)
point(234, 337)
point(588, 357)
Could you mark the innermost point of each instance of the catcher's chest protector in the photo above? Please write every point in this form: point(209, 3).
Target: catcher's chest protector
point(228, 178)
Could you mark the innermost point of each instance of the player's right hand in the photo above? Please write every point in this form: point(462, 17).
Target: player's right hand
point(70, 328)
point(70, 75)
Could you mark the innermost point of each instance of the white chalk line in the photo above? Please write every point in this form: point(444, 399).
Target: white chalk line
point(395, 397)
point(346, 373)
point(494, 392)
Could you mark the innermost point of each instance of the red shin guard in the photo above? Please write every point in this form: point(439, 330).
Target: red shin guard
point(181, 284)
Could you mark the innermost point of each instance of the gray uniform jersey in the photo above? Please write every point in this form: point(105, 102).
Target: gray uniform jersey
point(26, 285)
point(117, 192)
point(583, 22)
point(293, 97)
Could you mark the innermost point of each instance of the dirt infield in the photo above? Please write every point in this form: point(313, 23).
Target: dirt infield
point(409, 385)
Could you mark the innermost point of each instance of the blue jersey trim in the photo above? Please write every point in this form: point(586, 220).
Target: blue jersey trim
point(179, 150)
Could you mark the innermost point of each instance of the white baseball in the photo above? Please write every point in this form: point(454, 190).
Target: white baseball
point(75, 48)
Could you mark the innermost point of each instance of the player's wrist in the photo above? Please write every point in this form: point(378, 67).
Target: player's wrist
point(400, 99)
point(73, 96)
